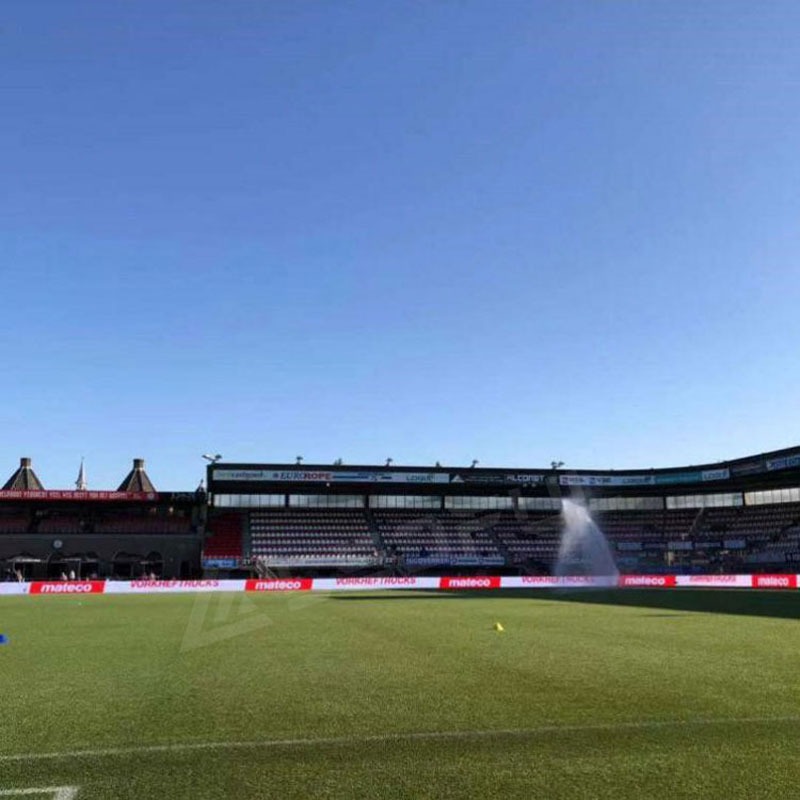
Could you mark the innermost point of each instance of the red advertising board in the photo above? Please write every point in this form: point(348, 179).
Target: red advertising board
point(279, 585)
point(67, 587)
point(774, 581)
point(471, 582)
point(647, 581)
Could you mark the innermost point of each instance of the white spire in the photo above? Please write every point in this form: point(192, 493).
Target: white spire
point(80, 484)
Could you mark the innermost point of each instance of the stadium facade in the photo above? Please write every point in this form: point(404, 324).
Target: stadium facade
point(131, 531)
point(740, 515)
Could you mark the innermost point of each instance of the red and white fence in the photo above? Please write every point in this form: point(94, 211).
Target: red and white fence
point(475, 582)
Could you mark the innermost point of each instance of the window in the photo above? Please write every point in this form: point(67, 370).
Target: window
point(704, 500)
point(626, 503)
point(539, 503)
point(268, 500)
point(788, 495)
point(405, 501)
point(467, 503)
point(249, 500)
point(326, 500)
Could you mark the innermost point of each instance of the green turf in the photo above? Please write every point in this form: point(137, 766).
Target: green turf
point(570, 683)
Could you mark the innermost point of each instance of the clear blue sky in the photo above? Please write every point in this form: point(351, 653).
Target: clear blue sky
point(511, 231)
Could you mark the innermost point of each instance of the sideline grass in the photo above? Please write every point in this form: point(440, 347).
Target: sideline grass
point(99, 673)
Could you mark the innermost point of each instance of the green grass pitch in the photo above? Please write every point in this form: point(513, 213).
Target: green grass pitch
point(664, 694)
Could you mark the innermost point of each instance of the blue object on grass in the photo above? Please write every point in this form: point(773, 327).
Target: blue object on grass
point(3, 638)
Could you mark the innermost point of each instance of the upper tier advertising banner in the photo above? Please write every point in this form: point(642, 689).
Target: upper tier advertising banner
point(471, 476)
point(326, 476)
point(606, 480)
point(748, 468)
point(77, 496)
point(787, 462)
point(652, 479)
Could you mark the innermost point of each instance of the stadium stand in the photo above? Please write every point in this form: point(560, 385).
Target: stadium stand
point(224, 539)
point(132, 531)
point(451, 534)
point(330, 534)
point(518, 539)
point(402, 518)
point(533, 537)
point(13, 523)
point(142, 524)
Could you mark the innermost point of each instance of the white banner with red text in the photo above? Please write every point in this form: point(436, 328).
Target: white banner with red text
point(431, 583)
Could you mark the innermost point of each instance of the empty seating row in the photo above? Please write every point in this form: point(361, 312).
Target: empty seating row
point(441, 534)
point(299, 532)
point(224, 539)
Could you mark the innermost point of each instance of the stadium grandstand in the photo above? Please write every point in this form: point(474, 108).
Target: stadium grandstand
point(740, 515)
point(736, 516)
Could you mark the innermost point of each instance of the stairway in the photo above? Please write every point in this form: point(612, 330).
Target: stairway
point(374, 532)
point(696, 523)
point(503, 550)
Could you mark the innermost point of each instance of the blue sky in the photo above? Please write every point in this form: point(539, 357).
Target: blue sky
point(511, 231)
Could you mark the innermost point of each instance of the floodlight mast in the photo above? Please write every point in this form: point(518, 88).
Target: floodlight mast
point(212, 459)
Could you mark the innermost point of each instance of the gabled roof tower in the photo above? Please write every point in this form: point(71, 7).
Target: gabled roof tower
point(136, 480)
point(24, 478)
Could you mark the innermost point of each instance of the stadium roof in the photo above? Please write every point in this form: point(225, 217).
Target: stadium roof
point(24, 478)
point(775, 468)
point(137, 480)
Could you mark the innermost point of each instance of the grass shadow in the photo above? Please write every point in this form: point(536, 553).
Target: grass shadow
point(744, 602)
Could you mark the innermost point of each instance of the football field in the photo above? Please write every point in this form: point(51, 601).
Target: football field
point(678, 694)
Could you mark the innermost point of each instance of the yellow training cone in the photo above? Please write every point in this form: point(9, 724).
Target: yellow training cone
point(498, 627)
